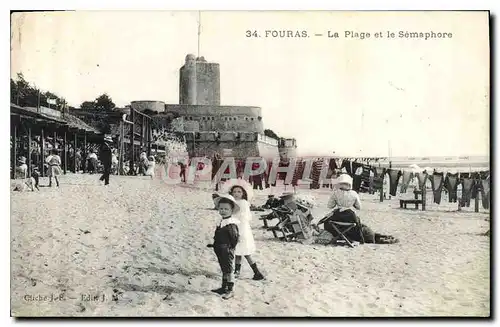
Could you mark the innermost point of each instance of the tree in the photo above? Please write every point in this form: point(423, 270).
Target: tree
point(13, 92)
point(23, 94)
point(270, 133)
point(104, 103)
point(88, 105)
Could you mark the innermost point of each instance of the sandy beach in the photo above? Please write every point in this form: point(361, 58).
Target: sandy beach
point(138, 248)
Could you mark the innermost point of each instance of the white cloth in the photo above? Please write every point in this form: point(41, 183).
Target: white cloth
point(344, 200)
point(246, 244)
point(22, 171)
point(151, 169)
point(54, 162)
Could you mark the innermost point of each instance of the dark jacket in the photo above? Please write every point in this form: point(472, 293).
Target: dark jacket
point(105, 155)
point(228, 235)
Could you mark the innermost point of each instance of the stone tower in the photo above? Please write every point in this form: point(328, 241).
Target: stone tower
point(199, 82)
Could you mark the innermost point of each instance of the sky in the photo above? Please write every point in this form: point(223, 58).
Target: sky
point(362, 97)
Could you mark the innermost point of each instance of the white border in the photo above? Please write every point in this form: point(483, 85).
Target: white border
point(189, 5)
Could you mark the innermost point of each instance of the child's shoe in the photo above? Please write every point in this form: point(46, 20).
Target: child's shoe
point(222, 289)
point(229, 293)
point(257, 274)
point(237, 270)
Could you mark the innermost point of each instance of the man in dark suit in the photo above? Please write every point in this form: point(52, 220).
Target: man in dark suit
point(105, 156)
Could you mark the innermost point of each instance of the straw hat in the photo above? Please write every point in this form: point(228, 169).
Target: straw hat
point(228, 186)
point(345, 180)
point(22, 160)
point(230, 198)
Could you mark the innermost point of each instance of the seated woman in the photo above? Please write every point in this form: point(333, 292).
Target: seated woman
point(344, 202)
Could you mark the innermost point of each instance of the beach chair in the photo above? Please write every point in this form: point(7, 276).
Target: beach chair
point(341, 225)
point(292, 225)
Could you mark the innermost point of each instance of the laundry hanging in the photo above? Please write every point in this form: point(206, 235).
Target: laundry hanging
point(378, 178)
point(451, 185)
point(437, 186)
point(315, 174)
point(338, 163)
point(346, 164)
point(467, 188)
point(357, 170)
point(405, 182)
point(332, 164)
point(365, 179)
point(393, 180)
point(422, 180)
point(299, 171)
point(485, 193)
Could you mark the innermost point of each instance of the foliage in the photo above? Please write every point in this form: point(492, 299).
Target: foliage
point(270, 133)
point(24, 94)
point(88, 105)
point(104, 103)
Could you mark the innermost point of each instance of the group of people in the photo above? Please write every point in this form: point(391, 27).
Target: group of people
point(54, 170)
point(233, 238)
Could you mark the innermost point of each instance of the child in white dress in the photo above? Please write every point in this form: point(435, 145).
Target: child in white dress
point(242, 193)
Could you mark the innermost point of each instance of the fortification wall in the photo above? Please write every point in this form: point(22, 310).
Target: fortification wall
point(243, 145)
point(220, 118)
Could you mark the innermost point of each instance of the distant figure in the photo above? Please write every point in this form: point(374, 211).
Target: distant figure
point(114, 162)
point(216, 164)
point(78, 160)
point(22, 169)
point(35, 174)
point(183, 171)
point(143, 163)
point(92, 162)
point(106, 155)
point(150, 171)
point(54, 162)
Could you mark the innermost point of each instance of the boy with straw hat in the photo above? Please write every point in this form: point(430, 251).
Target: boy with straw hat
point(226, 238)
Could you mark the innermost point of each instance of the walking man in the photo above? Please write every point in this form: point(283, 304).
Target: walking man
point(105, 155)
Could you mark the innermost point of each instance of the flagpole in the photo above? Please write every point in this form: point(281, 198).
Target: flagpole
point(199, 31)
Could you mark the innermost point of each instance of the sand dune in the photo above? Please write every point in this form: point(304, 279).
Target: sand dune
point(141, 244)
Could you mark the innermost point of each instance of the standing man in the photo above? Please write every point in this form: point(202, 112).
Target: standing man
point(105, 155)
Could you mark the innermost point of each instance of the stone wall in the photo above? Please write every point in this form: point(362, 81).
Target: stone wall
point(220, 118)
point(243, 145)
